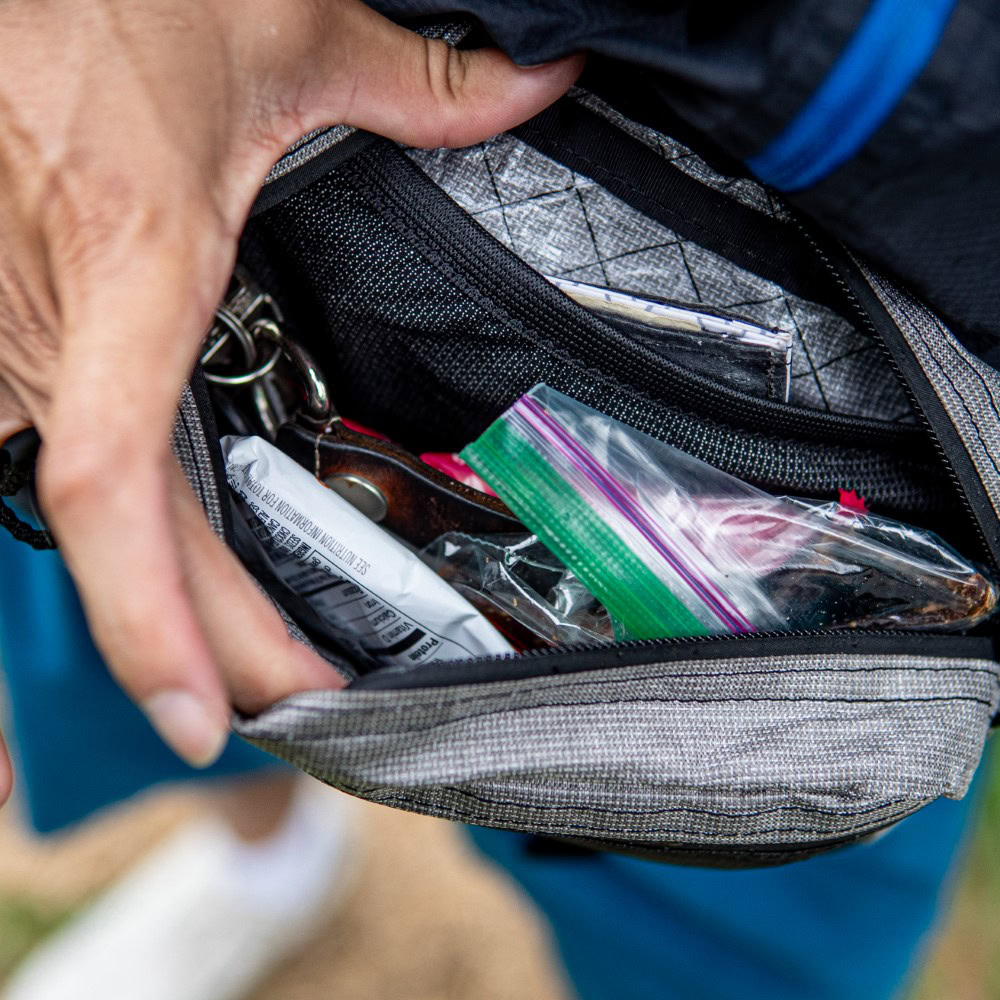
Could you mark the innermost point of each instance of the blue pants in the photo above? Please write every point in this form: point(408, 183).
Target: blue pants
point(79, 744)
point(845, 926)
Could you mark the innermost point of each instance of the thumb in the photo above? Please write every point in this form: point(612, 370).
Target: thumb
point(383, 78)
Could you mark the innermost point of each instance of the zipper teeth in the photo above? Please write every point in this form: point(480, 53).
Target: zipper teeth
point(708, 639)
point(911, 395)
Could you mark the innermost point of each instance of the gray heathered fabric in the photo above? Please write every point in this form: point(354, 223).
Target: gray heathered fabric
point(725, 753)
point(731, 753)
point(968, 388)
point(191, 448)
point(307, 148)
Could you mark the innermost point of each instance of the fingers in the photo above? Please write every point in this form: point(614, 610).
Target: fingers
point(260, 662)
point(421, 92)
point(103, 484)
point(133, 272)
point(13, 417)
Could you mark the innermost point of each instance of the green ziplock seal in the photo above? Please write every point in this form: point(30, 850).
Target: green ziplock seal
point(549, 506)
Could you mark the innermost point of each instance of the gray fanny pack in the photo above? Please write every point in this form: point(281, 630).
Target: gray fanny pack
point(416, 280)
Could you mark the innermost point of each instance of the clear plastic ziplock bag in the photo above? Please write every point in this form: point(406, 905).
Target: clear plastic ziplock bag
point(516, 582)
point(673, 547)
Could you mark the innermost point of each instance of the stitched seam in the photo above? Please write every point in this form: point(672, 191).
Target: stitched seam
point(561, 705)
point(906, 310)
point(194, 462)
point(965, 407)
point(718, 814)
point(667, 810)
point(973, 364)
point(826, 670)
point(991, 400)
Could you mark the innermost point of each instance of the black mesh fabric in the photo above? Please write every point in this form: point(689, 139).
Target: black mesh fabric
point(428, 329)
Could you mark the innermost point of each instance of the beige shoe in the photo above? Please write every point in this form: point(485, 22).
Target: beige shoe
point(181, 926)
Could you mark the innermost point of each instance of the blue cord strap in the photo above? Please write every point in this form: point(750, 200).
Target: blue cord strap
point(893, 43)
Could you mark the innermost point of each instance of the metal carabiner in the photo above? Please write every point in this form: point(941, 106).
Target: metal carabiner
point(251, 317)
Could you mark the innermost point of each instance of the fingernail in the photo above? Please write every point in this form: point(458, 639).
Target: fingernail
point(185, 724)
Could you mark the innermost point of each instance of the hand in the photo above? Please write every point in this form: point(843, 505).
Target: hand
point(134, 135)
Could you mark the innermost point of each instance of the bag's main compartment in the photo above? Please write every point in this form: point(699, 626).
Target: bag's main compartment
point(414, 278)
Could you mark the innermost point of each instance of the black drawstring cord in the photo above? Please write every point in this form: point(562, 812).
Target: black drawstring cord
point(14, 476)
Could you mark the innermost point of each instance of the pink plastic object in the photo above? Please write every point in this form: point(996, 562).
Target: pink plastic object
point(447, 462)
point(453, 467)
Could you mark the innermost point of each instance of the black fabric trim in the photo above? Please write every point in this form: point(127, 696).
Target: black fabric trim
point(671, 651)
point(783, 807)
point(17, 477)
point(732, 859)
point(633, 92)
point(552, 848)
point(295, 180)
point(591, 145)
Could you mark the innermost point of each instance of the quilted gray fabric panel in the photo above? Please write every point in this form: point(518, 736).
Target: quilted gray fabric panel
point(564, 225)
point(968, 388)
point(724, 753)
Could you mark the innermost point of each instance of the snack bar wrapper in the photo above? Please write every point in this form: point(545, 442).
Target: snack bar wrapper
point(375, 596)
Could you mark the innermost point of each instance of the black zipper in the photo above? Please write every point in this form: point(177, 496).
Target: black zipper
point(691, 649)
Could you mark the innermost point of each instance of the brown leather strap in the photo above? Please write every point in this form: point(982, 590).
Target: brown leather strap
point(421, 502)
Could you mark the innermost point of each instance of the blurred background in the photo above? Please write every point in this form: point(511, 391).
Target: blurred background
point(426, 920)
